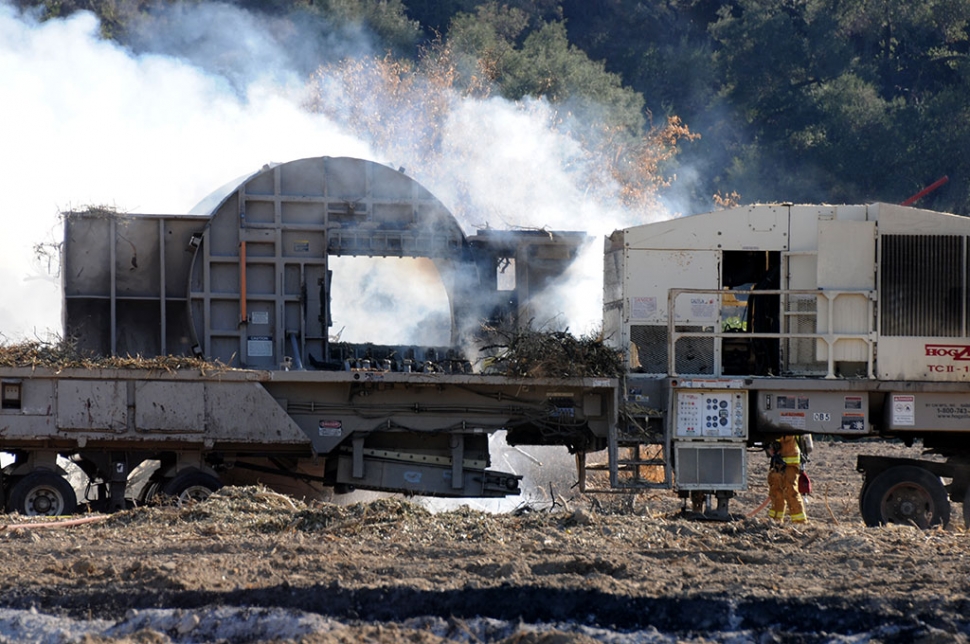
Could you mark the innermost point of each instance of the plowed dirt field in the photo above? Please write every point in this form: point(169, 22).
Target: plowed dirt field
point(250, 565)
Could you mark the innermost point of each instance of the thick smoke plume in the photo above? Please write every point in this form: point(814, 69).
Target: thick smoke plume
point(209, 93)
point(86, 122)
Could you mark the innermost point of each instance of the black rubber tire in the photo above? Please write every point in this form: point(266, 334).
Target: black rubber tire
point(907, 495)
point(42, 493)
point(192, 485)
point(149, 493)
point(966, 509)
point(862, 495)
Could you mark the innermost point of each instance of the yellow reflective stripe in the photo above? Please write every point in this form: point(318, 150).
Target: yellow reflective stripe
point(798, 517)
point(792, 460)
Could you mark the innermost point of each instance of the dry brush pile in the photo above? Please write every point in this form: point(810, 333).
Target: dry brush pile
point(63, 354)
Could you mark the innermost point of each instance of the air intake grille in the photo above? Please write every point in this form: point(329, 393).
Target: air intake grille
point(921, 293)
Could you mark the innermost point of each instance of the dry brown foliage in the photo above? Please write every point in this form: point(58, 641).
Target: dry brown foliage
point(403, 107)
point(63, 354)
point(527, 353)
point(729, 200)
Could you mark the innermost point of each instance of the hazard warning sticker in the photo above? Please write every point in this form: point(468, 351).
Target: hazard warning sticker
point(904, 409)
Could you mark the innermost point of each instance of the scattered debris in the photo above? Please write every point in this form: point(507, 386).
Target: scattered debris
point(64, 354)
point(528, 353)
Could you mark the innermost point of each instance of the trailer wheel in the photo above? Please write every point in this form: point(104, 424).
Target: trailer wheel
point(191, 486)
point(42, 493)
point(149, 492)
point(966, 509)
point(866, 483)
point(908, 495)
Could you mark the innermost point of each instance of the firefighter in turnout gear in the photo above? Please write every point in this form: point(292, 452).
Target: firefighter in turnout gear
point(783, 469)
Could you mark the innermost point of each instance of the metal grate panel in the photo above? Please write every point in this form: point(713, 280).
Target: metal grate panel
point(801, 315)
point(921, 294)
point(651, 341)
point(711, 466)
point(694, 355)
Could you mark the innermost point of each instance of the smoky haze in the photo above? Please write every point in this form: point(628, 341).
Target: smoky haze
point(86, 122)
point(207, 93)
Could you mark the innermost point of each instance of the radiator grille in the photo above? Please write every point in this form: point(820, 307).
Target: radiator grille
point(921, 293)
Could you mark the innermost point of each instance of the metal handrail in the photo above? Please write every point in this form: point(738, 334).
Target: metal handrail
point(830, 338)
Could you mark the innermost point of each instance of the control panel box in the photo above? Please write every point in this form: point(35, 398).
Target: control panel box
point(710, 414)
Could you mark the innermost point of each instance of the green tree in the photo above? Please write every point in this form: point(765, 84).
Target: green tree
point(436, 15)
point(834, 94)
point(661, 49)
point(386, 18)
point(545, 65)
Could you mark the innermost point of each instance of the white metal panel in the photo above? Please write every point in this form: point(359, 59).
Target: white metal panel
point(615, 333)
point(803, 226)
point(802, 272)
point(92, 404)
point(747, 228)
point(923, 358)
point(851, 315)
point(169, 406)
point(929, 411)
point(846, 261)
point(852, 212)
point(651, 274)
point(901, 220)
point(846, 254)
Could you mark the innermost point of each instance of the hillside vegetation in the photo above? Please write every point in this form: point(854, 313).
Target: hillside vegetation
point(690, 102)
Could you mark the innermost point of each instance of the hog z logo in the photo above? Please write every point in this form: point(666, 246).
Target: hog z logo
point(954, 351)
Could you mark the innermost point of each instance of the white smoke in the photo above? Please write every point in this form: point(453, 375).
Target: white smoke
point(520, 170)
point(389, 301)
point(84, 122)
point(213, 94)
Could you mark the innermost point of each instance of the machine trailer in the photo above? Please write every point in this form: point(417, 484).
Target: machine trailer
point(275, 397)
point(845, 321)
point(733, 326)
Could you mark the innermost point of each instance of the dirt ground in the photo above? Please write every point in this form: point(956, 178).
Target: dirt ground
point(252, 565)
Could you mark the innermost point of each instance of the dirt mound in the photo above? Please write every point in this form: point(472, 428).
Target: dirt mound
point(582, 569)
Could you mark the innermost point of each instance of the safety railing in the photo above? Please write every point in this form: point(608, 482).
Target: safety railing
point(711, 323)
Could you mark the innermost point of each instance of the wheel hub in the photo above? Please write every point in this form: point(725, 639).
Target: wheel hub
point(907, 508)
point(44, 502)
point(907, 503)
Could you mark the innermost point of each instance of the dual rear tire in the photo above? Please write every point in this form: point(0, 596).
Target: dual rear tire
point(47, 493)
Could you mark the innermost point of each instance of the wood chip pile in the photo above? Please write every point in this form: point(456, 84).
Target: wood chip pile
point(258, 510)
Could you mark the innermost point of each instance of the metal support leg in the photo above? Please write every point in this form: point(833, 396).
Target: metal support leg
point(458, 461)
point(358, 468)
